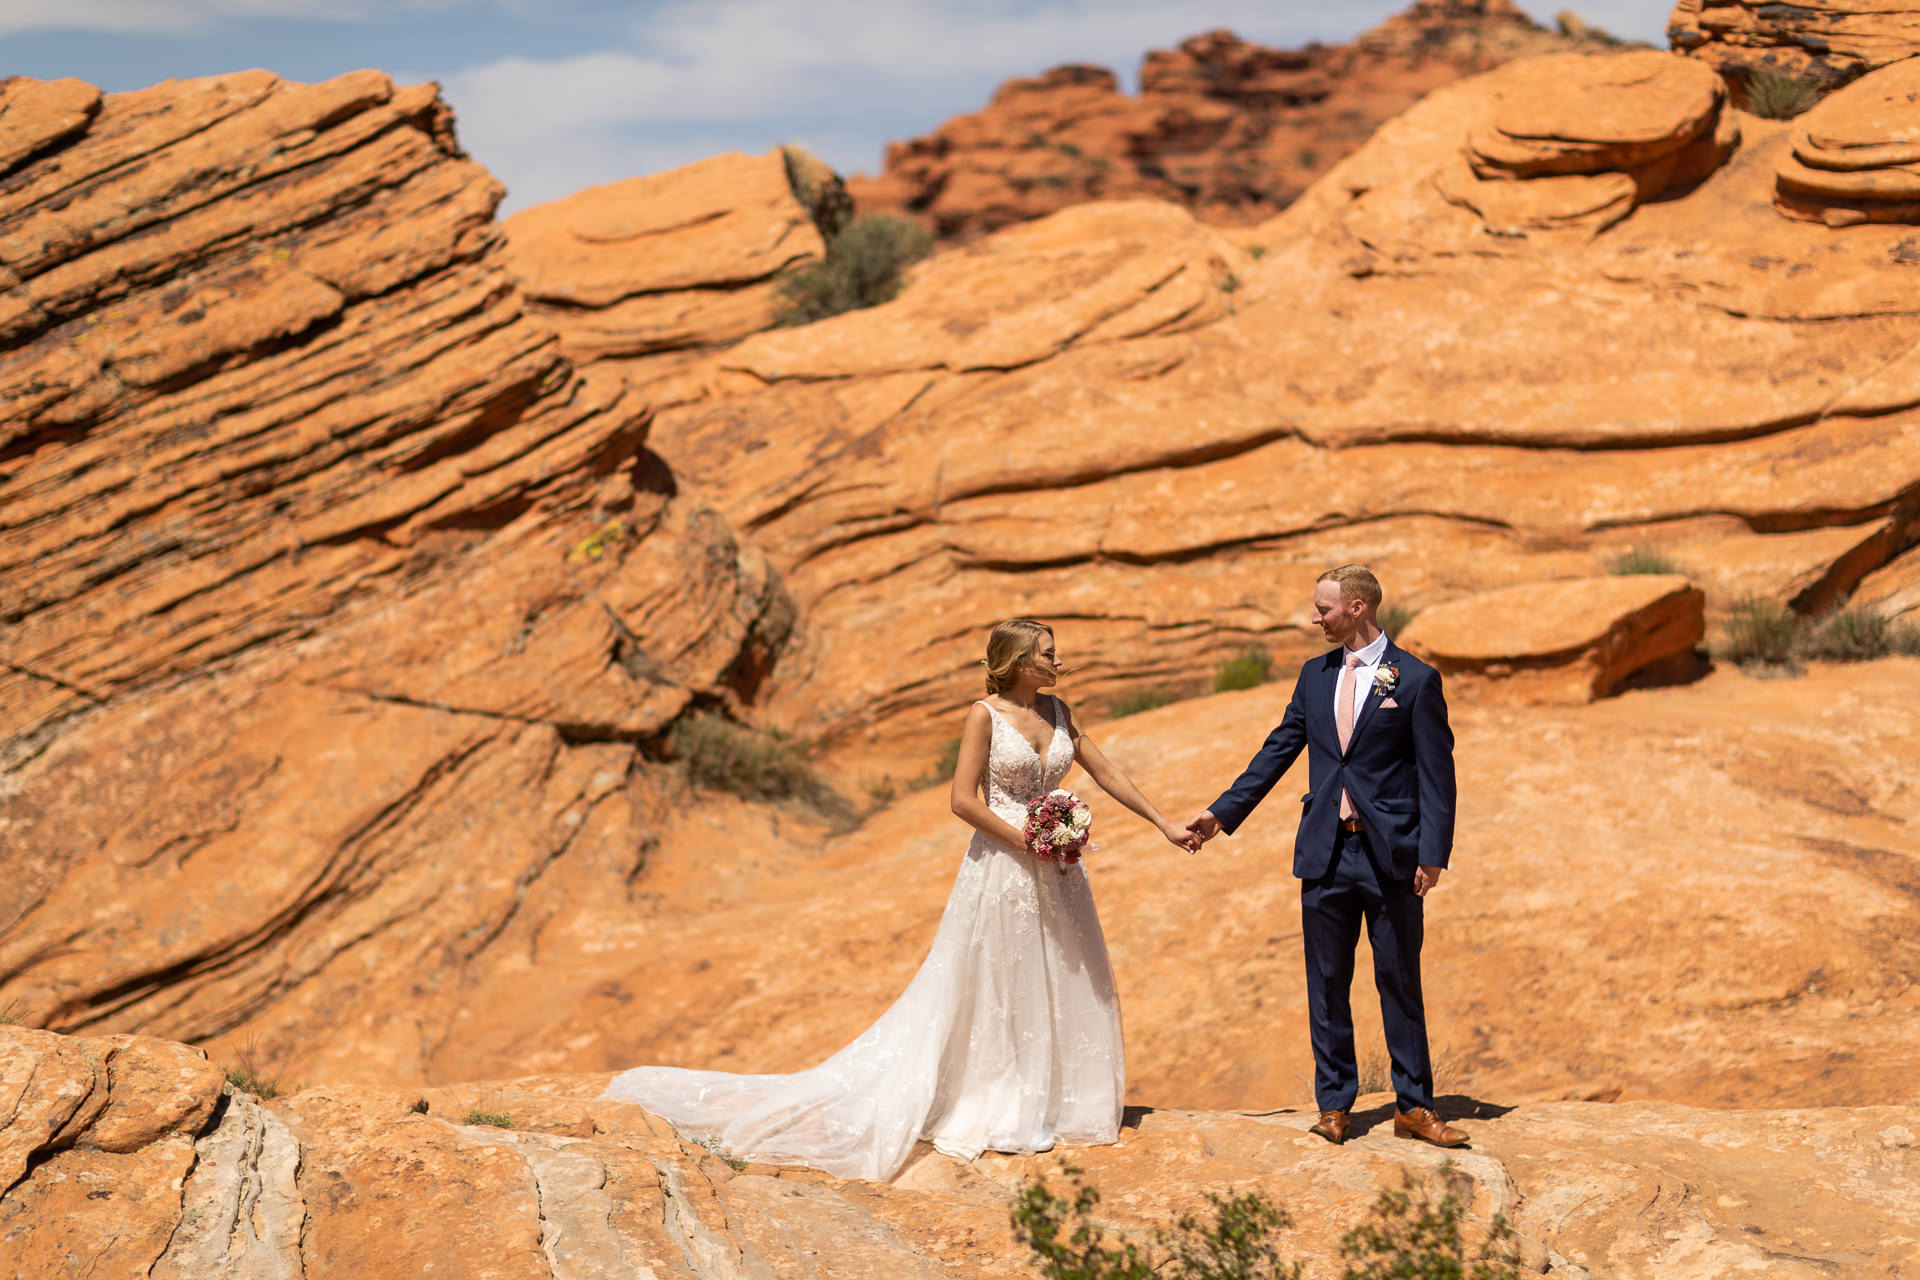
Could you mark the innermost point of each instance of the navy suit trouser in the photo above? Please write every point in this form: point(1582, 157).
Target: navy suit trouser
point(1332, 909)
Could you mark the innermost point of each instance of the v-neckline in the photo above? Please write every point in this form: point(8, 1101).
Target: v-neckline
point(1042, 754)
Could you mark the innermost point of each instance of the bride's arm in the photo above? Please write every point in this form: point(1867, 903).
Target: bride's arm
point(1119, 785)
point(975, 735)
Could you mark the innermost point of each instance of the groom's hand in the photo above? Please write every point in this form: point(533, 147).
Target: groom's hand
point(1204, 825)
point(1424, 878)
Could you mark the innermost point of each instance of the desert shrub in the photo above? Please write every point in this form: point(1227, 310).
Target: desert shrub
point(13, 1014)
point(943, 767)
point(1778, 96)
point(420, 1107)
point(1858, 634)
point(1256, 251)
point(713, 1144)
point(1068, 1245)
point(495, 1119)
point(862, 268)
point(1134, 701)
point(1758, 630)
point(1245, 670)
point(1393, 618)
point(247, 1077)
point(762, 764)
point(1411, 1237)
point(1641, 560)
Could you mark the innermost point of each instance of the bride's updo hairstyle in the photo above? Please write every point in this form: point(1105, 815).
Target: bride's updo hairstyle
point(1011, 644)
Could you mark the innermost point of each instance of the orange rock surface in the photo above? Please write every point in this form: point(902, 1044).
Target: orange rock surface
point(349, 623)
point(353, 1182)
point(1231, 130)
point(1855, 156)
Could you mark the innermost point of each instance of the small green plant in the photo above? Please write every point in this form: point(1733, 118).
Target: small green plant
point(246, 1077)
point(712, 1143)
point(862, 268)
point(763, 764)
point(1309, 158)
point(495, 1119)
point(13, 1014)
point(1256, 251)
point(1758, 631)
point(1229, 282)
point(1641, 560)
point(1393, 618)
point(1061, 1233)
point(419, 1107)
point(1776, 95)
point(1134, 701)
point(1858, 634)
point(943, 766)
point(1245, 670)
point(1409, 1236)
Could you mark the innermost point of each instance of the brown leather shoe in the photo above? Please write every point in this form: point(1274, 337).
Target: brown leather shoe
point(1423, 1124)
point(1332, 1126)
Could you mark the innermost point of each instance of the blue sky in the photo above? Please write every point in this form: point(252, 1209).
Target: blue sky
point(555, 95)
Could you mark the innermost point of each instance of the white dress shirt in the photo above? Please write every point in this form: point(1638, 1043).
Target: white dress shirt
point(1363, 677)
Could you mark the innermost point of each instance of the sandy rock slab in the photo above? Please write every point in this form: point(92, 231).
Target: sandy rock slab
point(1825, 41)
point(1574, 141)
point(1573, 640)
point(1855, 156)
point(359, 1182)
point(687, 258)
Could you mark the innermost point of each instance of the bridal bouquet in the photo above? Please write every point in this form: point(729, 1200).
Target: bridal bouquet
point(1058, 827)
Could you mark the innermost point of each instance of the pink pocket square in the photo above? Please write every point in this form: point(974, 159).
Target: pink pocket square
point(1390, 703)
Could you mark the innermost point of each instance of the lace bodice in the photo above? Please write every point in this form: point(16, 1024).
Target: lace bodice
point(1015, 774)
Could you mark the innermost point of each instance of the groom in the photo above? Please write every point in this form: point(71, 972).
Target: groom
point(1374, 838)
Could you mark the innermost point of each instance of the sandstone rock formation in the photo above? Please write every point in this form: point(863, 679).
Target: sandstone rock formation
point(343, 616)
point(682, 259)
point(1573, 641)
point(1056, 421)
point(1855, 157)
point(1579, 141)
point(351, 1182)
point(352, 618)
point(1232, 130)
point(1817, 40)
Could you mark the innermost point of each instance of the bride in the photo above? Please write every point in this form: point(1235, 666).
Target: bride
point(1008, 1038)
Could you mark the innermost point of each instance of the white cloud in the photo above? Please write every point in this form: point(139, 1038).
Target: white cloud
point(179, 15)
point(845, 76)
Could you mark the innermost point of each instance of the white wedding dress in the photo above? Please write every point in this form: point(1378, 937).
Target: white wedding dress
point(1007, 1039)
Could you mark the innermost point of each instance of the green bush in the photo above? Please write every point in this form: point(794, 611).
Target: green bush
point(495, 1119)
point(761, 764)
point(1778, 96)
point(862, 268)
point(1068, 1245)
point(1246, 670)
point(1406, 1236)
point(1758, 630)
point(713, 1144)
point(245, 1081)
point(1641, 560)
point(1134, 701)
point(1393, 618)
point(1409, 1237)
point(1858, 634)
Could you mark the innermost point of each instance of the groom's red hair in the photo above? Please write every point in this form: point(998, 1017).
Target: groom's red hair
point(1356, 583)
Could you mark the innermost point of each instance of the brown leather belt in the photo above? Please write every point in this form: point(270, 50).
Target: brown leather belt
point(1351, 825)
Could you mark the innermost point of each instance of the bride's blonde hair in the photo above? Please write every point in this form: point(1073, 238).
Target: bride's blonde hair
point(1011, 644)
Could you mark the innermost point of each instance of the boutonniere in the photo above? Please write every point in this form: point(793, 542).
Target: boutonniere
point(1386, 679)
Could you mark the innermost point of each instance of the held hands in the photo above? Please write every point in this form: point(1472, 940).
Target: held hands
point(1201, 828)
point(1180, 836)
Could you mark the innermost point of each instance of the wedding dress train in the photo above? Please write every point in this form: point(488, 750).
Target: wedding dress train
point(1007, 1039)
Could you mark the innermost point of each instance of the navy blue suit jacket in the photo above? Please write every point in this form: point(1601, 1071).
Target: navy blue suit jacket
point(1398, 767)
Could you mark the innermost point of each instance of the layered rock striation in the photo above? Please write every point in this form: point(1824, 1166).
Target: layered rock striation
point(343, 615)
point(1819, 41)
point(1233, 131)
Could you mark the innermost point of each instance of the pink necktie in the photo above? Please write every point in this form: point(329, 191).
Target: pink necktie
point(1343, 717)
